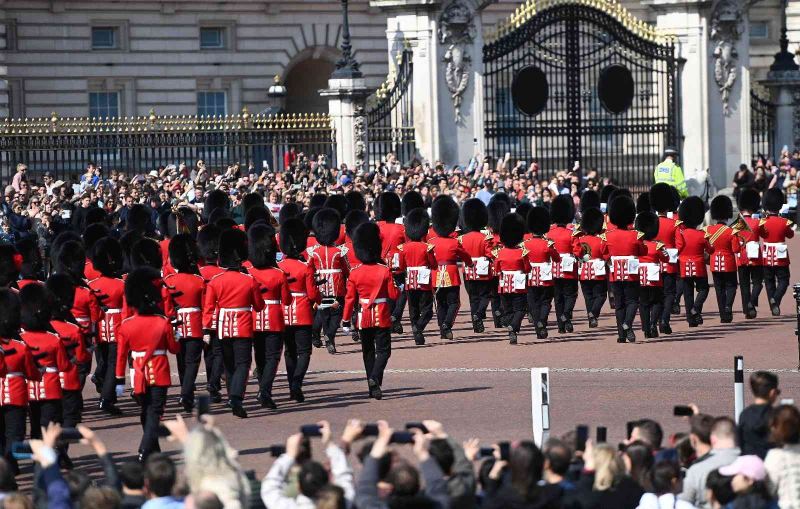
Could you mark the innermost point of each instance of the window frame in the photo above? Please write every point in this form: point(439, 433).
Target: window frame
point(223, 38)
point(765, 24)
point(114, 37)
point(107, 93)
point(215, 106)
point(120, 30)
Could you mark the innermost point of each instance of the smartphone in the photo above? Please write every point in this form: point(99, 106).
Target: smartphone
point(787, 401)
point(21, 450)
point(70, 436)
point(416, 425)
point(311, 430)
point(682, 411)
point(602, 433)
point(402, 437)
point(629, 428)
point(276, 450)
point(203, 405)
point(486, 452)
point(581, 435)
point(505, 450)
point(370, 430)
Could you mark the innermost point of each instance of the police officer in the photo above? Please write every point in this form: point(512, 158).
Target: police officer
point(668, 171)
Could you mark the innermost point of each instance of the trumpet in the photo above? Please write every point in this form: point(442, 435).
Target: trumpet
point(741, 225)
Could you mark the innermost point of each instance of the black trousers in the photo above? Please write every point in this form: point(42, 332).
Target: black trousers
point(152, 408)
point(776, 281)
point(651, 306)
point(670, 292)
point(514, 304)
point(420, 308)
point(100, 355)
point(328, 319)
point(751, 281)
point(236, 356)
point(191, 351)
point(399, 305)
point(376, 348)
point(297, 354)
point(109, 392)
point(479, 294)
point(447, 303)
point(214, 364)
point(539, 303)
point(626, 300)
point(268, 356)
point(594, 294)
point(72, 408)
point(565, 292)
point(13, 430)
point(725, 288)
point(691, 301)
point(494, 298)
point(43, 413)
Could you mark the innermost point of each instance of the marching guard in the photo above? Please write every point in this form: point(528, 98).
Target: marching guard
point(748, 259)
point(724, 245)
point(418, 262)
point(774, 230)
point(692, 249)
point(651, 284)
point(588, 248)
point(565, 271)
point(477, 242)
point(663, 202)
point(541, 256)
point(511, 267)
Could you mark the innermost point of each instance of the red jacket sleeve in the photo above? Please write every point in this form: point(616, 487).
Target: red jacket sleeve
point(173, 345)
point(209, 306)
point(349, 300)
point(465, 257)
point(32, 371)
point(62, 359)
point(123, 347)
point(311, 289)
point(391, 288)
point(258, 299)
point(680, 241)
point(286, 295)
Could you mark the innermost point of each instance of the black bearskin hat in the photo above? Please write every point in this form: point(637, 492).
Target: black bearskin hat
point(126, 242)
point(623, 191)
point(411, 200)
point(139, 219)
point(562, 210)
point(183, 253)
point(327, 226)
point(622, 211)
point(496, 211)
point(107, 257)
point(590, 199)
point(293, 237)
point(605, 193)
point(691, 211)
point(721, 208)
point(10, 263)
point(661, 198)
point(522, 211)
point(62, 289)
point(232, 248)
point(288, 211)
point(474, 215)
point(95, 215)
point(216, 199)
point(389, 207)
point(367, 243)
point(225, 223)
point(218, 215)
point(32, 265)
point(61, 239)
point(539, 220)
point(355, 201)
point(183, 220)
point(308, 218)
point(261, 246)
point(749, 200)
point(503, 197)
point(643, 203)
point(353, 219)
point(317, 201)
point(251, 200)
point(257, 214)
point(417, 223)
point(146, 251)
point(208, 243)
point(9, 313)
point(512, 230)
point(143, 290)
point(444, 216)
point(592, 221)
point(92, 234)
point(647, 222)
point(36, 309)
point(773, 200)
point(71, 259)
point(338, 203)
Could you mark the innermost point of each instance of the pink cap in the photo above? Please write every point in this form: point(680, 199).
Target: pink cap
point(749, 466)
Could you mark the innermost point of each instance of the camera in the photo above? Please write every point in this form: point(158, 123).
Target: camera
point(276, 450)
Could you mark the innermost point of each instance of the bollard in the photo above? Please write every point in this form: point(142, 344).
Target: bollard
point(540, 404)
point(796, 292)
point(738, 387)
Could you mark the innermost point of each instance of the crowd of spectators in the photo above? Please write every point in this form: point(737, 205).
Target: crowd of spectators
point(766, 174)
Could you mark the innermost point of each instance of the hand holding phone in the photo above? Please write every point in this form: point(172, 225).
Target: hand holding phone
point(682, 411)
point(581, 435)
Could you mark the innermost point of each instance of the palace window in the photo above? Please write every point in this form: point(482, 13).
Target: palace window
point(211, 103)
point(212, 38)
point(104, 104)
point(105, 38)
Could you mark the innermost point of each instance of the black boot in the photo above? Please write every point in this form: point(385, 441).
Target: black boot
point(512, 336)
point(592, 322)
point(267, 402)
point(750, 312)
point(330, 346)
point(676, 309)
point(477, 324)
point(562, 327)
point(541, 331)
point(187, 404)
point(374, 389)
point(316, 339)
point(447, 333)
point(568, 325)
point(620, 334)
point(297, 394)
point(215, 396)
point(666, 329)
point(776, 310)
point(109, 407)
point(397, 327)
point(355, 336)
point(237, 409)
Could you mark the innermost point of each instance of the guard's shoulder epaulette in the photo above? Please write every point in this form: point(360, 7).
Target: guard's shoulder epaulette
point(706, 232)
point(762, 221)
point(400, 247)
point(639, 235)
point(602, 236)
point(430, 246)
point(789, 222)
point(678, 222)
point(524, 250)
point(659, 245)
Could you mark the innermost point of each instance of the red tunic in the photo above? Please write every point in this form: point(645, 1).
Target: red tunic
point(89, 272)
point(651, 262)
point(749, 240)
point(623, 249)
point(147, 338)
point(372, 286)
point(185, 303)
point(511, 267)
point(276, 297)
point(304, 290)
point(208, 271)
point(724, 246)
point(392, 235)
point(448, 252)
point(775, 230)
point(668, 228)
point(692, 246)
point(166, 267)
point(20, 368)
point(588, 249)
point(350, 254)
point(329, 265)
point(478, 246)
point(540, 255)
point(86, 309)
point(111, 293)
point(51, 357)
point(232, 296)
point(418, 262)
point(567, 266)
point(22, 283)
point(72, 338)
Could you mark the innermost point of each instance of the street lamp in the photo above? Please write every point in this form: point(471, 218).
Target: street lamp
point(346, 67)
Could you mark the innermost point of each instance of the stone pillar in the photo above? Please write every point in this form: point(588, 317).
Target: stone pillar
point(346, 97)
point(784, 87)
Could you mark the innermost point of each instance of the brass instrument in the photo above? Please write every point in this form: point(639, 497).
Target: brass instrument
point(741, 225)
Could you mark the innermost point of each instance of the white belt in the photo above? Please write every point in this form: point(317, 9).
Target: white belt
point(511, 272)
point(621, 258)
point(235, 310)
point(15, 374)
point(774, 244)
point(189, 310)
point(382, 300)
point(139, 355)
point(592, 260)
point(50, 369)
point(478, 258)
point(82, 319)
point(416, 269)
point(329, 271)
point(541, 265)
point(299, 294)
point(113, 311)
point(270, 302)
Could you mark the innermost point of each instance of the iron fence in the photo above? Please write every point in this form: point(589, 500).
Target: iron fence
point(63, 146)
point(762, 125)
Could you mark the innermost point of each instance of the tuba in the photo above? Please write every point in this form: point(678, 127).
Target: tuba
point(741, 225)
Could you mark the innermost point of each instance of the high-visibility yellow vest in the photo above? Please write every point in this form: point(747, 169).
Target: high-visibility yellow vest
point(672, 174)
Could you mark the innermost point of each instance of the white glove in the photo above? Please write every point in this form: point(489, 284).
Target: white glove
point(207, 339)
point(120, 389)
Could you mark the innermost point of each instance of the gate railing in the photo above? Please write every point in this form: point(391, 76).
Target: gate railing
point(63, 146)
point(390, 115)
point(762, 125)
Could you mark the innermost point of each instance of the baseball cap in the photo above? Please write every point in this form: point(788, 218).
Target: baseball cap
point(749, 466)
point(345, 180)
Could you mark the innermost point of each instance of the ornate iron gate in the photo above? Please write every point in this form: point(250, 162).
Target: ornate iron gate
point(568, 81)
point(762, 126)
point(390, 115)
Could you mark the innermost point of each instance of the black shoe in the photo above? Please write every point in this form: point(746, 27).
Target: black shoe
point(397, 327)
point(297, 395)
point(238, 410)
point(512, 336)
point(497, 322)
point(419, 338)
point(630, 336)
point(541, 333)
point(530, 318)
point(592, 322)
point(653, 331)
point(676, 309)
point(187, 404)
point(331, 347)
point(665, 328)
point(109, 408)
point(776, 311)
point(562, 328)
point(374, 389)
point(647, 334)
point(267, 402)
point(355, 336)
point(447, 334)
point(568, 326)
point(750, 312)
point(477, 324)
point(215, 396)
point(726, 317)
point(317, 342)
